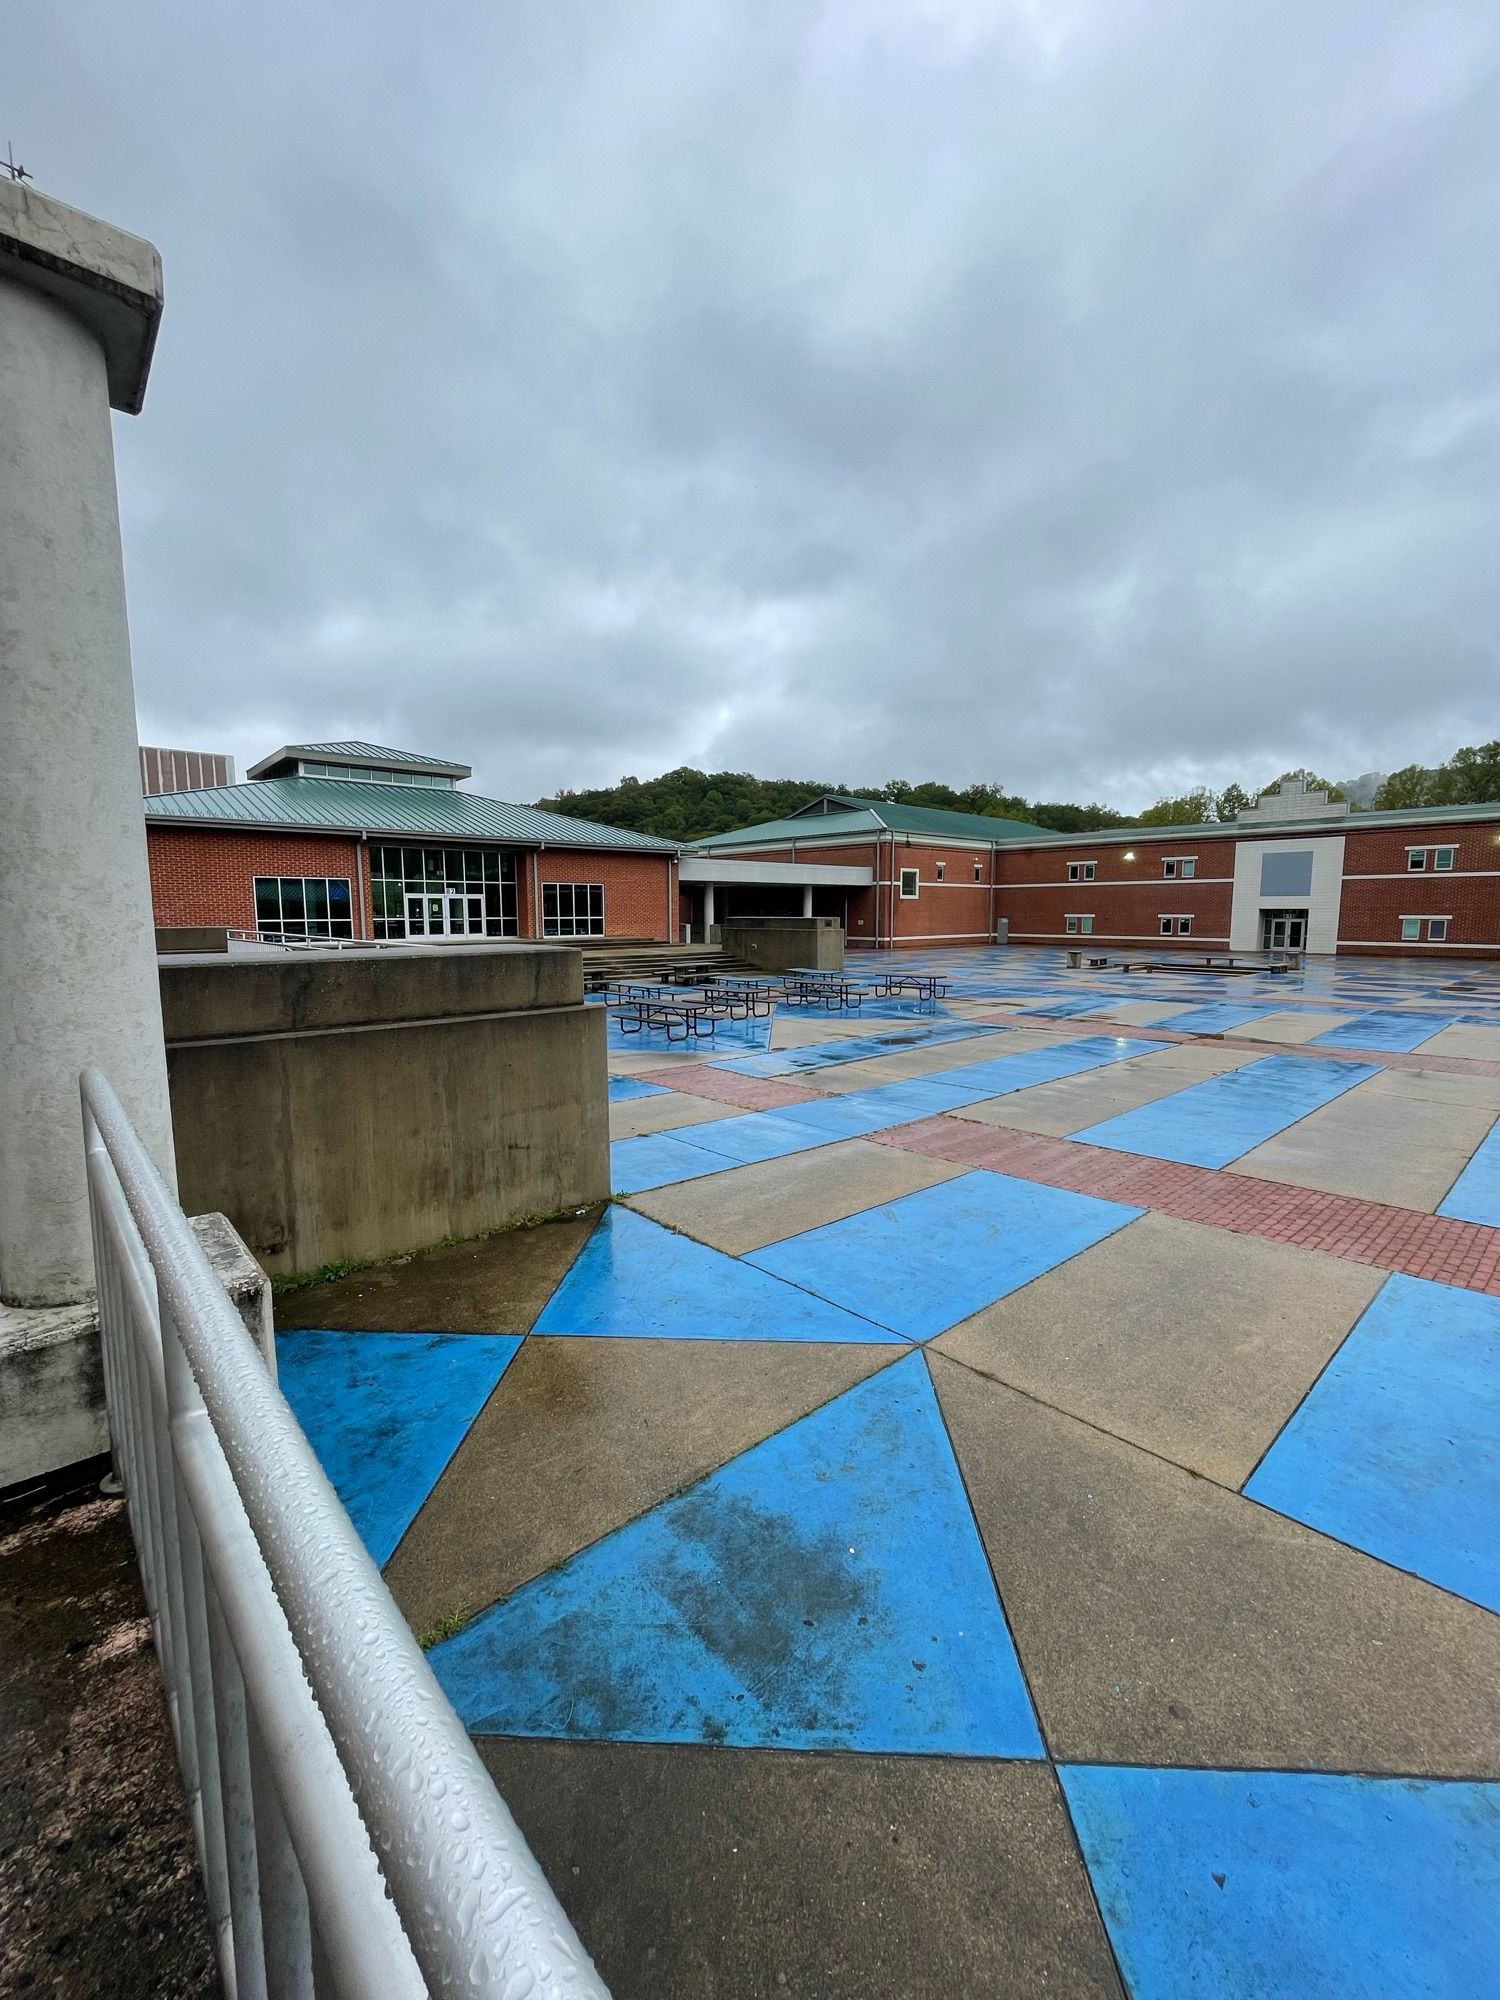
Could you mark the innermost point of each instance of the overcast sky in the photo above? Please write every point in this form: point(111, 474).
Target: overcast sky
point(1095, 397)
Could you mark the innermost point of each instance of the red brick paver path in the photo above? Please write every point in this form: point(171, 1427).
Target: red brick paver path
point(727, 1086)
point(1366, 1232)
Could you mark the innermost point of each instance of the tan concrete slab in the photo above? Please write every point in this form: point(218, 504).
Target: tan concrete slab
point(748, 1207)
point(1376, 1144)
point(582, 1435)
point(1191, 1341)
point(637, 1115)
point(1438, 1086)
point(630, 1062)
point(1478, 1044)
point(901, 1065)
point(1297, 1024)
point(1069, 1103)
point(1142, 1013)
point(1164, 1620)
point(711, 1874)
point(490, 1284)
point(800, 1031)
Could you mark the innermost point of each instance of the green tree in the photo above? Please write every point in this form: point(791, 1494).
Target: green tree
point(1231, 802)
point(1192, 809)
point(1310, 778)
point(1413, 785)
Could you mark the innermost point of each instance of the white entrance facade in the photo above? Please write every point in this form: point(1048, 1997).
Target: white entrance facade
point(1287, 894)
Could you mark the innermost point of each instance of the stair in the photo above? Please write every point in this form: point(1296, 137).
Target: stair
point(609, 960)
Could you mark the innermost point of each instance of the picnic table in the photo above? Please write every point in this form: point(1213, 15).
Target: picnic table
point(682, 1018)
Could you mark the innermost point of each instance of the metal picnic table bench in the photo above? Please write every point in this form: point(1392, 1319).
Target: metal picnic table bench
point(682, 1017)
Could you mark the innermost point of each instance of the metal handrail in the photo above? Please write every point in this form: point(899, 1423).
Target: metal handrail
point(352, 1842)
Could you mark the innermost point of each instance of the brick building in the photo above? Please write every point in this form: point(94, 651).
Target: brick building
point(1295, 871)
point(352, 840)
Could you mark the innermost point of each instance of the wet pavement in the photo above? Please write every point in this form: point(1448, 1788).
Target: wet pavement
point(960, 1522)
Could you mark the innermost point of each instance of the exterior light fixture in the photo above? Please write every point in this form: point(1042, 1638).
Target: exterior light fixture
point(1130, 854)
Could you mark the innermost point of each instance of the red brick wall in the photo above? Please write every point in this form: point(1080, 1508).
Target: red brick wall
point(202, 875)
point(1127, 899)
point(640, 890)
point(1379, 890)
point(956, 910)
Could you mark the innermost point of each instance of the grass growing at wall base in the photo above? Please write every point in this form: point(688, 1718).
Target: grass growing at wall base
point(345, 1267)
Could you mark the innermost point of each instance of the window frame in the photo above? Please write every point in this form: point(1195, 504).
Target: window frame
point(978, 869)
point(1439, 865)
point(1411, 930)
point(1416, 860)
point(1081, 871)
point(1079, 924)
point(913, 875)
point(1434, 935)
point(571, 925)
point(940, 870)
point(301, 925)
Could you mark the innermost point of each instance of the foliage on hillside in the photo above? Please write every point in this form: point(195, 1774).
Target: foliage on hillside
point(1471, 777)
point(689, 805)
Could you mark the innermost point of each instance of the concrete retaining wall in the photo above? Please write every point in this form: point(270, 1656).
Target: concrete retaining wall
point(774, 943)
point(347, 1105)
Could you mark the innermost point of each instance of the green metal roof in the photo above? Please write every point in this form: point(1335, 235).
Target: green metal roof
point(337, 805)
point(375, 755)
point(871, 816)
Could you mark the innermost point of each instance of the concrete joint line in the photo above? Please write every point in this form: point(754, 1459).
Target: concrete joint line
point(371, 1027)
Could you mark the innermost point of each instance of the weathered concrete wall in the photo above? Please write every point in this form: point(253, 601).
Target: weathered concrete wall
point(774, 943)
point(52, 1378)
point(355, 1105)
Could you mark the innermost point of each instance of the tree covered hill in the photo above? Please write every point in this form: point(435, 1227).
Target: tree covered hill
point(689, 805)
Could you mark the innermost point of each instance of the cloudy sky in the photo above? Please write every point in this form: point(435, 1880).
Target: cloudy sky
point(1095, 397)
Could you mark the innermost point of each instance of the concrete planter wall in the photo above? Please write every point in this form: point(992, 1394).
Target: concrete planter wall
point(350, 1106)
point(774, 943)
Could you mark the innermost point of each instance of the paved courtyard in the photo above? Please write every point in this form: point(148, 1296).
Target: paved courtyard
point(1005, 1501)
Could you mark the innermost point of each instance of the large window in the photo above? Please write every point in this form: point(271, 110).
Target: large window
point(303, 906)
point(911, 884)
point(572, 909)
point(1081, 871)
point(442, 892)
point(359, 774)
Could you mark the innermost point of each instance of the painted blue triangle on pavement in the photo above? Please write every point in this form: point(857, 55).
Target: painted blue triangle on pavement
point(1221, 1884)
point(825, 1590)
point(635, 1280)
point(386, 1411)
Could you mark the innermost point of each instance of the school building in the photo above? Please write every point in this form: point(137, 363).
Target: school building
point(1296, 871)
point(352, 840)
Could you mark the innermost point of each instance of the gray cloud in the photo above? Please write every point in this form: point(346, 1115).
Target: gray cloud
point(1097, 399)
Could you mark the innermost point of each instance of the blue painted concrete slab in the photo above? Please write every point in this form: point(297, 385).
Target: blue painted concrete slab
point(1213, 1019)
point(634, 1279)
point(386, 1411)
point(1213, 1122)
point(744, 1036)
point(1274, 1885)
point(855, 1048)
point(659, 1159)
point(759, 1135)
point(1397, 1446)
point(859, 1111)
point(920, 1264)
point(1001, 1075)
point(623, 1088)
point(826, 1590)
point(1475, 1195)
point(1396, 1029)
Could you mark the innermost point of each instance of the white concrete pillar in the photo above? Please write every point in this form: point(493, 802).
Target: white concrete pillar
point(708, 910)
point(807, 899)
point(79, 304)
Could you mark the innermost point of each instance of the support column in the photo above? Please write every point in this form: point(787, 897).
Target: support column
point(79, 305)
point(708, 911)
point(807, 908)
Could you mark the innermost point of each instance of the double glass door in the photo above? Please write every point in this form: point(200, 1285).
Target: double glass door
point(446, 913)
point(1283, 930)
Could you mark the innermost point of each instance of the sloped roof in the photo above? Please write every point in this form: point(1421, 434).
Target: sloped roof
point(856, 816)
point(375, 754)
point(341, 805)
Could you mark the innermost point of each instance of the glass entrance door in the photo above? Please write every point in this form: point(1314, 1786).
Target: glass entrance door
point(464, 913)
point(1283, 930)
point(426, 916)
